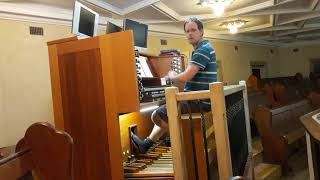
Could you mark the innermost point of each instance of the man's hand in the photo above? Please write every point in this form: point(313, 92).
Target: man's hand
point(172, 74)
point(185, 76)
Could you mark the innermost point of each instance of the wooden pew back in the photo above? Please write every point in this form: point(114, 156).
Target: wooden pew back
point(256, 98)
point(280, 127)
point(44, 151)
point(286, 118)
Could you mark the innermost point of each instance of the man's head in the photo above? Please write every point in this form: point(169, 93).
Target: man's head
point(193, 28)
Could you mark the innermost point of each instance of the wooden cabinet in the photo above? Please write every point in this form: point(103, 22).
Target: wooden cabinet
point(94, 80)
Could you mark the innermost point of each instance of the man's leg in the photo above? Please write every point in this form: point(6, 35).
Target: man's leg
point(159, 128)
point(159, 118)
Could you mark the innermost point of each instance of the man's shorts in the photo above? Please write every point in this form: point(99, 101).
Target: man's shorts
point(194, 107)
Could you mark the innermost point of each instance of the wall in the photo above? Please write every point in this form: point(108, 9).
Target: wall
point(297, 61)
point(25, 91)
point(235, 62)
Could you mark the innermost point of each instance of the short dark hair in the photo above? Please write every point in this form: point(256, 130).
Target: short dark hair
point(193, 19)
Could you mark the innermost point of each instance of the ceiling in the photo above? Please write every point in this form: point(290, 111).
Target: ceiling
point(275, 21)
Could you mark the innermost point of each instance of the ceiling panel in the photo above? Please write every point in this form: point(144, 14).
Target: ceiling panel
point(122, 3)
point(148, 14)
point(257, 34)
point(313, 20)
point(185, 8)
point(239, 4)
point(290, 26)
point(252, 21)
point(67, 4)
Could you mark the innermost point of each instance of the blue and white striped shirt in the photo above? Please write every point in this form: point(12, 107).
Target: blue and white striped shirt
point(203, 56)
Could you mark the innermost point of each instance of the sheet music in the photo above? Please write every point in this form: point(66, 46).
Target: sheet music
point(316, 118)
point(145, 71)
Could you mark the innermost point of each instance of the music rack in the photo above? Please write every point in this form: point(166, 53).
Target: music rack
point(152, 88)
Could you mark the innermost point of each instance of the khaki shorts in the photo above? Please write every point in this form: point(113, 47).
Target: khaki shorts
point(185, 108)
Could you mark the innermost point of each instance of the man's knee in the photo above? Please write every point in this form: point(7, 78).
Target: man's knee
point(156, 119)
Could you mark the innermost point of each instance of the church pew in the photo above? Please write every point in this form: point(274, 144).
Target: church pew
point(280, 127)
point(256, 98)
point(314, 97)
point(43, 154)
point(6, 151)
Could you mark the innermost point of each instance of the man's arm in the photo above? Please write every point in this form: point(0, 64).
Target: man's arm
point(185, 76)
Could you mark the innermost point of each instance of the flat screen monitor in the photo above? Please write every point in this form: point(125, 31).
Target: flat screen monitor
point(85, 21)
point(111, 28)
point(140, 32)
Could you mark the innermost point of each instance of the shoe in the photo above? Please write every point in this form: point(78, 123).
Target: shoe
point(167, 142)
point(141, 145)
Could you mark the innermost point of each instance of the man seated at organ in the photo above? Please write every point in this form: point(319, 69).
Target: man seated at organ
point(200, 72)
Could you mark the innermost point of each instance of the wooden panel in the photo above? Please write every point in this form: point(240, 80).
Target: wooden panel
point(256, 98)
point(120, 91)
point(44, 151)
point(78, 46)
point(189, 149)
point(51, 152)
point(119, 70)
point(84, 113)
point(59, 41)
point(159, 66)
point(178, 153)
point(200, 155)
point(247, 114)
point(185, 96)
point(93, 80)
point(56, 87)
point(221, 131)
point(144, 127)
point(311, 126)
point(16, 165)
point(152, 178)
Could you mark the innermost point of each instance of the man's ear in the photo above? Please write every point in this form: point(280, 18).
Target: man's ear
point(201, 31)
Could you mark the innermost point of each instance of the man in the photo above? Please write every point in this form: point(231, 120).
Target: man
point(200, 72)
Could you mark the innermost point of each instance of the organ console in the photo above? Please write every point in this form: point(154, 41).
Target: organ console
point(99, 86)
point(152, 84)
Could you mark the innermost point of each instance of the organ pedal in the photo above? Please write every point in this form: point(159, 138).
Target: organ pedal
point(157, 162)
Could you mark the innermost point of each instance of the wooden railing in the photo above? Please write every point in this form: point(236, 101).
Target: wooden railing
point(216, 94)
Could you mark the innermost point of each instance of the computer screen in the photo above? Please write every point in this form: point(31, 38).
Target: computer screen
point(85, 21)
point(140, 32)
point(111, 28)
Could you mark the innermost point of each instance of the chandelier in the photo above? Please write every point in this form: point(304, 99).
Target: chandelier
point(216, 5)
point(233, 25)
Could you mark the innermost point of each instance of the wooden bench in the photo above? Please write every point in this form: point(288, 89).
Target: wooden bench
point(280, 127)
point(256, 98)
point(43, 154)
point(314, 97)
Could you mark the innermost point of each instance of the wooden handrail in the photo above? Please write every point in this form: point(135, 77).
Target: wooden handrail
point(216, 94)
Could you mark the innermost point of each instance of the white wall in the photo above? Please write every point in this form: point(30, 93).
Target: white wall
point(25, 90)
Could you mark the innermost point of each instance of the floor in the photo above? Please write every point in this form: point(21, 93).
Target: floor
point(298, 162)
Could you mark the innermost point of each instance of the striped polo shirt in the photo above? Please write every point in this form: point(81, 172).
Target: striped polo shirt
point(203, 56)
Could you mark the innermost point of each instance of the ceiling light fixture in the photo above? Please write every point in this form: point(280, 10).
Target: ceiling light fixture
point(217, 6)
point(233, 26)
